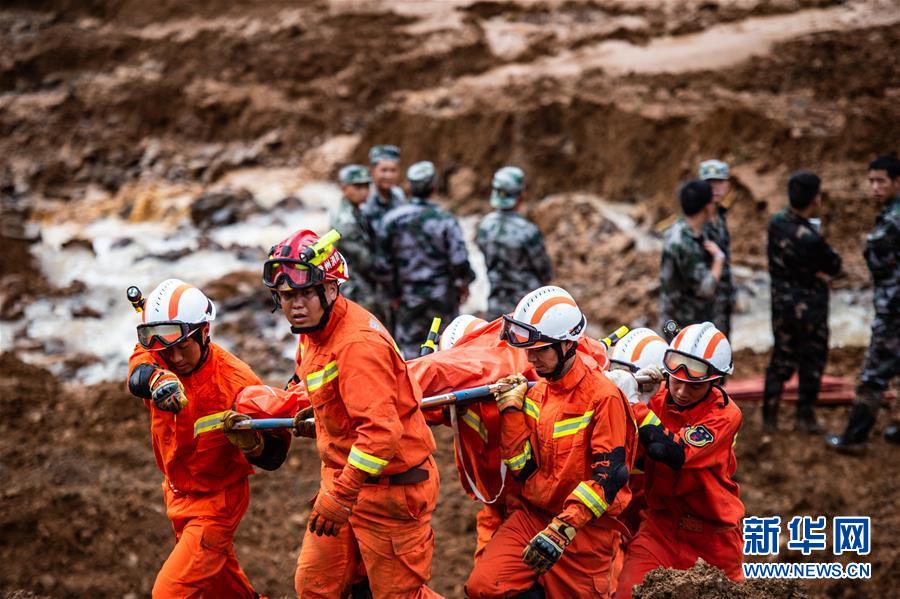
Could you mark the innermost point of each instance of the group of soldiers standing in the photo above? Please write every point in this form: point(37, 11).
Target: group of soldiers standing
point(696, 285)
point(409, 257)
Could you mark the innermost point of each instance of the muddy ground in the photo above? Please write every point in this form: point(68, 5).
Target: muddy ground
point(106, 107)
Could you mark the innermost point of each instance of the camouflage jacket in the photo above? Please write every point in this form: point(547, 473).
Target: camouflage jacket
point(375, 209)
point(422, 255)
point(357, 245)
point(882, 254)
point(687, 288)
point(514, 253)
point(796, 254)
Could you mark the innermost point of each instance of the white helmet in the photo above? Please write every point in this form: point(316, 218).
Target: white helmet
point(545, 316)
point(699, 353)
point(171, 313)
point(458, 328)
point(638, 349)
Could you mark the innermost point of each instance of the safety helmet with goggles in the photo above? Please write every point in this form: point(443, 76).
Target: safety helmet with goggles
point(699, 353)
point(172, 312)
point(639, 348)
point(546, 316)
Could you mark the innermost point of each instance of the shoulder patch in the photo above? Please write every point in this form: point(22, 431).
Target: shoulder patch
point(698, 436)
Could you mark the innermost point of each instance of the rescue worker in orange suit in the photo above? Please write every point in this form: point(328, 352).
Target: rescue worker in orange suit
point(571, 441)
point(379, 481)
point(693, 503)
point(181, 376)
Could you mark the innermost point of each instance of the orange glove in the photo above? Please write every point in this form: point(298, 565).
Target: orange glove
point(166, 391)
point(332, 510)
point(514, 397)
point(547, 546)
point(248, 441)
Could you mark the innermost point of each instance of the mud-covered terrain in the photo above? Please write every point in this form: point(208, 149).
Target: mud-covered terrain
point(148, 140)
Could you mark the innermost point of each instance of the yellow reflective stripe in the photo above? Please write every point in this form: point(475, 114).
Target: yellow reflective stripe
point(636, 471)
point(366, 462)
point(531, 408)
point(474, 422)
point(650, 419)
point(589, 497)
point(209, 423)
point(570, 426)
point(314, 380)
point(734, 441)
point(518, 462)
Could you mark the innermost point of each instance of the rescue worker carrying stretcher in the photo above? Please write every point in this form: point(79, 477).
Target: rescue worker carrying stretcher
point(379, 482)
point(693, 503)
point(571, 441)
point(181, 376)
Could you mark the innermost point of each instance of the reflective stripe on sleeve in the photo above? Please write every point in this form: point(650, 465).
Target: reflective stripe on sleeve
point(365, 462)
point(518, 462)
point(531, 408)
point(590, 498)
point(650, 419)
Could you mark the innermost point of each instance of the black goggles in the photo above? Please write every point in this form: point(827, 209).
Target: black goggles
point(619, 364)
point(162, 335)
point(296, 273)
point(521, 335)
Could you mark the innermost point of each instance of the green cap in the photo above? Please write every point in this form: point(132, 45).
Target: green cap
point(383, 152)
point(422, 177)
point(354, 174)
point(507, 186)
point(713, 169)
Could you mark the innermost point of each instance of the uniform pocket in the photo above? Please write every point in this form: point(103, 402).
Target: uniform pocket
point(329, 411)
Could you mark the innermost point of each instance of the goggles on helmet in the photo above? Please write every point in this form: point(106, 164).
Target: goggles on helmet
point(521, 335)
point(689, 368)
point(297, 274)
point(162, 335)
point(620, 365)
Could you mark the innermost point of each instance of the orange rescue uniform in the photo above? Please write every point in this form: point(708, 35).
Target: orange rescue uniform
point(206, 484)
point(368, 418)
point(695, 511)
point(572, 445)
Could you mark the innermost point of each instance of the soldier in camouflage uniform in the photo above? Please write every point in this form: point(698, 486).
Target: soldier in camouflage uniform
point(882, 361)
point(357, 243)
point(384, 195)
point(799, 260)
point(691, 265)
point(424, 259)
point(513, 246)
point(715, 172)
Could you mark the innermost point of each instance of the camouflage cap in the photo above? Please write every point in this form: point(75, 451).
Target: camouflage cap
point(507, 186)
point(354, 174)
point(384, 152)
point(421, 172)
point(713, 169)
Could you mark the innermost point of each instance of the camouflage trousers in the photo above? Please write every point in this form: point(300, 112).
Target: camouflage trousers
point(882, 361)
point(412, 323)
point(801, 345)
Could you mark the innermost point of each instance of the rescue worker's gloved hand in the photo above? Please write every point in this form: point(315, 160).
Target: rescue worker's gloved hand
point(624, 380)
point(248, 441)
point(514, 397)
point(547, 546)
point(328, 515)
point(301, 427)
point(649, 389)
point(167, 392)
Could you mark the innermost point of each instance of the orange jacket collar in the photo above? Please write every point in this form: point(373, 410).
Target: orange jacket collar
point(337, 314)
point(571, 379)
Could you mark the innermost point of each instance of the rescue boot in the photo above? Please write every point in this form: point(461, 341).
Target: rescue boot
point(770, 415)
point(855, 437)
point(806, 421)
point(892, 433)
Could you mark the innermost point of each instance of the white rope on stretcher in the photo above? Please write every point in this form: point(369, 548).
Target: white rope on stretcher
point(457, 443)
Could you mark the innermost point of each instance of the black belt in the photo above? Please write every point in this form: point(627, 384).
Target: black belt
point(410, 477)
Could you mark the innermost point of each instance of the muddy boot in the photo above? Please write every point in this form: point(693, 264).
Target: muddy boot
point(806, 421)
point(770, 415)
point(855, 437)
point(892, 433)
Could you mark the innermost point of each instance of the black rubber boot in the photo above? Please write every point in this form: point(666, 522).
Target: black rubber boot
point(806, 420)
point(770, 415)
point(856, 435)
point(892, 433)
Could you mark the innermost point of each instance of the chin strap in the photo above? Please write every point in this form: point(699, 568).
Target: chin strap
point(561, 359)
point(326, 315)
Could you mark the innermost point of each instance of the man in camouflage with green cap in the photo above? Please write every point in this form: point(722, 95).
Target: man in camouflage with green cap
point(716, 173)
point(384, 196)
point(691, 264)
point(357, 243)
point(423, 258)
point(513, 247)
point(800, 261)
point(882, 363)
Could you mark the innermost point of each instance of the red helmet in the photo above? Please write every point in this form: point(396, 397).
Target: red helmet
point(303, 260)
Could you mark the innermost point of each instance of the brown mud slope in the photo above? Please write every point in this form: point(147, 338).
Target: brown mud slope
point(705, 581)
point(83, 515)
